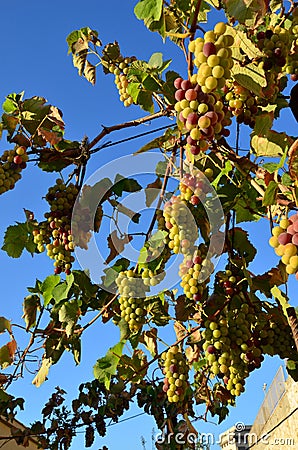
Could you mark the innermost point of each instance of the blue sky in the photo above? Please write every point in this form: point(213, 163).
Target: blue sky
point(34, 59)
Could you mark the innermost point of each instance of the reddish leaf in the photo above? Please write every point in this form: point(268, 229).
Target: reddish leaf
point(116, 245)
point(293, 160)
point(50, 136)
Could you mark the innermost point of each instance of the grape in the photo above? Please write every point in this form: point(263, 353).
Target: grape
point(209, 49)
point(11, 164)
point(284, 238)
point(295, 239)
point(55, 234)
point(176, 375)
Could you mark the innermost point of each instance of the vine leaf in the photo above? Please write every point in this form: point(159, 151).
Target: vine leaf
point(106, 367)
point(149, 338)
point(47, 287)
point(272, 144)
point(152, 191)
point(148, 10)
point(241, 244)
point(270, 194)
point(5, 325)
point(31, 305)
point(42, 374)
point(68, 315)
point(116, 245)
point(60, 292)
point(247, 12)
point(122, 184)
point(7, 353)
point(90, 72)
point(17, 238)
point(293, 161)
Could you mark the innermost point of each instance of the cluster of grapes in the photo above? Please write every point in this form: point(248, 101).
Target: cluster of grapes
point(132, 291)
point(11, 164)
point(241, 103)
point(193, 187)
point(119, 66)
point(213, 58)
point(175, 370)
point(280, 48)
point(180, 223)
point(194, 272)
point(275, 335)
point(55, 233)
point(203, 115)
point(284, 240)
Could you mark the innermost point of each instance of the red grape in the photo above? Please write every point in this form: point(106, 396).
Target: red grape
point(284, 238)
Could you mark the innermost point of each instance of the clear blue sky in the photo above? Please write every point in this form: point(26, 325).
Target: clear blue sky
point(34, 58)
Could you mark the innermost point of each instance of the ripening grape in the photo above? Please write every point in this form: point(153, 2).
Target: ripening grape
point(11, 165)
point(175, 369)
point(55, 235)
point(132, 291)
point(284, 240)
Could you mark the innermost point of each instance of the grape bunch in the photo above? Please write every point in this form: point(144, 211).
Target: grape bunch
point(213, 58)
point(116, 64)
point(279, 46)
point(203, 116)
point(193, 187)
point(11, 165)
point(55, 233)
point(284, 240)
point(275, 335)
point(241, 103)
point(194, 272)
point(132, 291)
point(181, 225)
point(175, 369)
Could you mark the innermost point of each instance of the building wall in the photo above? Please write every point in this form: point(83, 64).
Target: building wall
point(5, 430)
point(285, 436)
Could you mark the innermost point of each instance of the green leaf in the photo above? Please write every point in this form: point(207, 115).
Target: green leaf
point(145, 101)
point(47, 287)
point(282, 299)
point(271, 145)
point(16, 238)
point(148, 9)
point(263, 124)
point(106, 367)
point(5, 358)
point(5, 325)
point(42, 374)
point(270, 194)
point(225, 171)
point(152, 191)
point(248, 12)
point(68, 315)
point(9, 106)
point(286, 179)
point(30, 306)
point(122, 184)
point(60, 292)
point(241, 244)
point(112, 272)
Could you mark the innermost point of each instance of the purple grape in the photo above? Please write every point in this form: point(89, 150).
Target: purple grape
point(295, 239)
point(284, 238)
point(212, 116)
point(186, 84)
point(192, 118)
point(209, 49)
point(290, 229)
point(179, 95)
point(177, 83)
